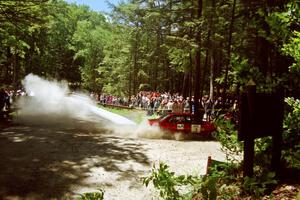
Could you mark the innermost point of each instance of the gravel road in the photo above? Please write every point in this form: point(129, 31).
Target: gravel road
point(60, 160)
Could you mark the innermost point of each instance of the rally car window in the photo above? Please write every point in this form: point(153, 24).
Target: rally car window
point(177, 119)
point(163, 118)
point(188, 119)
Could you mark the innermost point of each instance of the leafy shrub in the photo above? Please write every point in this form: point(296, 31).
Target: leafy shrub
point(231, 173)
point(92, 195)
point(226, 134)
point(291, 134)
point(207, 187)
point(257, 186)
point(171, 187)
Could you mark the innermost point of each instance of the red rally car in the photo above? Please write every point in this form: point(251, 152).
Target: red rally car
point(182, 122)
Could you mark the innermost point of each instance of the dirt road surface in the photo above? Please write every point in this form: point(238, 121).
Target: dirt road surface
point(59, 161)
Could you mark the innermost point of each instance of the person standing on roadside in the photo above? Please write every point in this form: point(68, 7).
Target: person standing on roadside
point(7, 100)
point(170, 106)
point(186, 106)
point(3, 97)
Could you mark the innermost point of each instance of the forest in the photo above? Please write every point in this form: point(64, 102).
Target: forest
point(189, 47)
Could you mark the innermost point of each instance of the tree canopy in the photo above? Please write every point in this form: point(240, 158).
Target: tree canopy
point(192, 47)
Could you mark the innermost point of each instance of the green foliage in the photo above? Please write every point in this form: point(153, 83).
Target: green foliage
point(226, 171)
point(179, 58)
point(209, 188)
point(241, 73)
point(229, 174)
point(262, 149)
point(89, 41)
point(171, 187)
point(226, 134)
point(291, 123)
point(292, 48)
point(92, 196)
point(257, 186)
point(20, 21)
point(147, 42)
point(215, 185)
point(281, 23)
point(291, 134)
point(114, 70)
point(284, 35)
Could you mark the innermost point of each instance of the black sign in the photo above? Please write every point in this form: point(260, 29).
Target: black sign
point(261, 115)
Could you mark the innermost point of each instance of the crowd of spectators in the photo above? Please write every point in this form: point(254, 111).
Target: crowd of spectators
point(162, 103)
point(8, 96)
point(109, 99)
point(5, 99)
point(151, 101)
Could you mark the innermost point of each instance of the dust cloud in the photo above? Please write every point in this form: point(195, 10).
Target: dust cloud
point(51, 103)
point(142, 130)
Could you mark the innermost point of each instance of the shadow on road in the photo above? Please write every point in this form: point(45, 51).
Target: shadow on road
point(43, 162)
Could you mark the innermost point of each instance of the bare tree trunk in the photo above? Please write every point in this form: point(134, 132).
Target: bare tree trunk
point(167, 75)
point(135, 64)
point(211, 77)
point(206, 63)
point(185, 87)
point(191, 86)
point(16, 70)
point(130, 84)
point(197, 96)
point(229, 46)
point(212, 55)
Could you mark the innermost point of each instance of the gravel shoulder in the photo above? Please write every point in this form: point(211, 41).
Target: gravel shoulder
point(63, 160)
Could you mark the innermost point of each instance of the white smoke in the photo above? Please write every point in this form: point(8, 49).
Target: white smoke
point(52, 103)
point(49, 98)
point(143, 130)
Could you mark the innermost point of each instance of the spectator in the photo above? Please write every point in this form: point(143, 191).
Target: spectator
point(176, 107)
point(180, 105)
point(170, 105)
point(2, 98)
point(208, 106)
point(156, 105)
point(7, 100)
point(186, 105)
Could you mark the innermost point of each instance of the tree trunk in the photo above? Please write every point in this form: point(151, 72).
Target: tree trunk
point(130, 83)
point(211, 77)
point(16, 70)
point(185, 87)
point(229, 47)
point(207, 55)
point(212, 54)
point(197, 97)
point(135, 64)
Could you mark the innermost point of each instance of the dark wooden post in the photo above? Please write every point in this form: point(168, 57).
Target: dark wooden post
point(261, 115)
point(248, 157)
point(277, 135)
point(276, 153)
point(249, 141)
